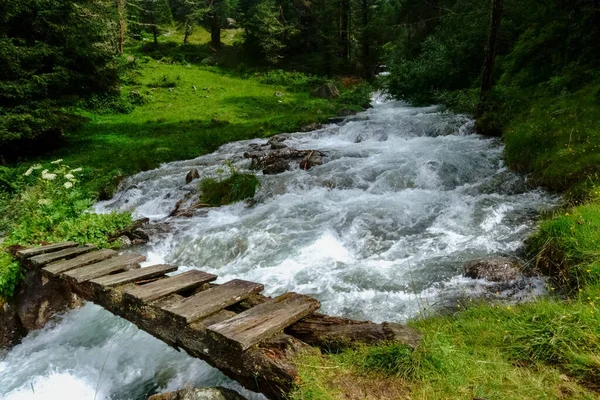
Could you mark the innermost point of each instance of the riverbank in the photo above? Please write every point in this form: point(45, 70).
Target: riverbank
point(172, 106)
point(545, 349)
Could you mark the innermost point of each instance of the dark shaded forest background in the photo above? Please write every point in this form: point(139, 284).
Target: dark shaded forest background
point(55, 53)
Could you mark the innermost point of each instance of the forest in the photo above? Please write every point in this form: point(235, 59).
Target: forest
point(93, 92)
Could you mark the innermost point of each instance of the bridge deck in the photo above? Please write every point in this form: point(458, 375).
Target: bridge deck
point(229, 325)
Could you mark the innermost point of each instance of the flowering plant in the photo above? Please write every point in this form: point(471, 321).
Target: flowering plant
point(55, 209)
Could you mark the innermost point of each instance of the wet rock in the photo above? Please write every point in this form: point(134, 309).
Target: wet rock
point(214, 393)
point(311, 127)
point(11, 328)
point(193, 174)
point(277, 167)
point(311, 160)
point(280, 160)
point(326, 91)
point(133, 234)
point(345, 112)
point(498, 269)
point(124, 241)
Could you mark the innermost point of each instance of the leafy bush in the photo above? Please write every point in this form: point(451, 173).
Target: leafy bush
point(237, 187)
point(10, 275)
point(54, 209)
point(358, 95)
point(295, 81)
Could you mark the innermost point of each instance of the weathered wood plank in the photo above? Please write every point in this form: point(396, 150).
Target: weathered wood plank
point(122, 262)
point(36, 251)
point(214, 299)
point(134, 275)
point(47, 258)
point(58, 267)
point(263, 321)
point(164, 287)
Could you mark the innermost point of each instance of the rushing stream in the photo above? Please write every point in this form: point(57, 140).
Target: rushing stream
point(380, 231)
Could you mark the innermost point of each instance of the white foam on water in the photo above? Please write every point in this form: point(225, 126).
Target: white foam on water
point(380, 231)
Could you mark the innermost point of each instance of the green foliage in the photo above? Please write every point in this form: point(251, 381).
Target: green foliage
point(52, 52)
point(566, 246)
point(237, 187)
point(542, 350)
point(10, 275)
point(268, 31)
point(53, 209)
point(295, 81)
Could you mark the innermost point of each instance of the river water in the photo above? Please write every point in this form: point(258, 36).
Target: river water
point(380, 231)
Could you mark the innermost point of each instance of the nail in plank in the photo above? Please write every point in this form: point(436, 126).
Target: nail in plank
point(58, 267)
point(134, 275)
point(214, 299)
point(123, 262)
point(47, 258)
point(164, 287)
point(263, 321)
point(36, 251)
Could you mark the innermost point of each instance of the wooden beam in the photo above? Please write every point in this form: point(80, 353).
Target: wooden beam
point(164, 287)
point(59, 267)
point(208, 302)
point(36, 251)
point(134, 275)
point(263, 321)
point(122, 262)
point(47, 258)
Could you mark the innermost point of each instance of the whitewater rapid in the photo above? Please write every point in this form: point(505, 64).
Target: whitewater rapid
point(380, 231)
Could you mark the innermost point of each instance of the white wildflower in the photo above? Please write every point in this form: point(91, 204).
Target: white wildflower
point(48, 176)
point(77, 169)
point(56, 161)
point(68, 185)
point(70, 176)
point(44, 202)
point(29, 171)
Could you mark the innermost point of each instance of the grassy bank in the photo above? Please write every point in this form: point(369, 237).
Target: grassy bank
point(171, 107)
point(548, 349)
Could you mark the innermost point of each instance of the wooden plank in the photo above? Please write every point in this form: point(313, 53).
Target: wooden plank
point(36, 251)
point(208, 302)
point(164, 287)
point(263, 321)
point(47, 258)
point(123, 262)
point(58, 267)
point(134, 275)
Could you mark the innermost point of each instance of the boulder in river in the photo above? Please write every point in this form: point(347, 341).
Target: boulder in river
point(311, 127)
point(193, 174)
point(326, 91)
point(279, 160)
point(213, 393)
point(497, 269)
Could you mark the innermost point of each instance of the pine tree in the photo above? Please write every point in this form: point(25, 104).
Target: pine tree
point(151, 14)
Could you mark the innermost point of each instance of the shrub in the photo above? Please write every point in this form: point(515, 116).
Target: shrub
point(10, 275)
point(237, 187)
point(55, 209)
point(295, 81)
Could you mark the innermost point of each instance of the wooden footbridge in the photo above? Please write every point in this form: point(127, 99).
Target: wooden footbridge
point(251, 338)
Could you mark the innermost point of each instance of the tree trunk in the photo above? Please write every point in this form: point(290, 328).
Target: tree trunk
point(215, 30)
point(366, 46)
point(122, 23)
point(155, 34)
point(490, 56)
point(344, 30)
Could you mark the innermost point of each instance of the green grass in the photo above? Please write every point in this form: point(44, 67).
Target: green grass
point(236, 187)
point(547, 349)
point(176, 121)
